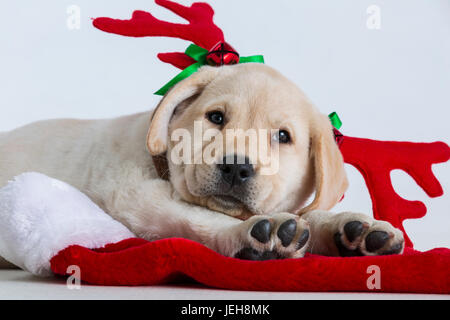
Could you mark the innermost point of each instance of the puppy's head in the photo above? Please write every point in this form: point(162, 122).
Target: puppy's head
point(244, 140)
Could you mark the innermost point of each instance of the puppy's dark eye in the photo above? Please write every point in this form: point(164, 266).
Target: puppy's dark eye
point(284, 137)
point(216, 117)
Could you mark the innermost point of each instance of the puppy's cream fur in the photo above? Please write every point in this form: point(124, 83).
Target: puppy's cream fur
point(110, 161)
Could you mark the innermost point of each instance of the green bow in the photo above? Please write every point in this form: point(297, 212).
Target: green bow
point(199, 54)
point(335, 120)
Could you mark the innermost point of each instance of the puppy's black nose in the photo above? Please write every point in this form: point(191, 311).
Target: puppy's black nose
point(236, 170)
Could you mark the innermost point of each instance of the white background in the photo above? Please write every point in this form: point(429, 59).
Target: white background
point(388, 84)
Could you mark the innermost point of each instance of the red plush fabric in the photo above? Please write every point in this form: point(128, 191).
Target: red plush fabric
point(138, 262)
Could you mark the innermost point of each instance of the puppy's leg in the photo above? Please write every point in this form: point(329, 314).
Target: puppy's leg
point(352, 234)
point(153, 211)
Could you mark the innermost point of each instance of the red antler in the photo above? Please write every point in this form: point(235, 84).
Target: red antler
point(201, 29)
point(376, 159)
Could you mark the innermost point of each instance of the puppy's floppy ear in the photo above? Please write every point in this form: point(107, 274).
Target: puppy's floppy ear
point(330, 177)
point(157, 137)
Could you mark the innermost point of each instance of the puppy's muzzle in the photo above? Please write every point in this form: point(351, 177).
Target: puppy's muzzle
point(236, 170)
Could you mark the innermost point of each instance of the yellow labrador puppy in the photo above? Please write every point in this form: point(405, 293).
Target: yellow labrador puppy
point(126, 165)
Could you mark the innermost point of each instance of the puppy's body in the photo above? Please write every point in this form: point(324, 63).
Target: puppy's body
point(92, 155)
point(109, 161)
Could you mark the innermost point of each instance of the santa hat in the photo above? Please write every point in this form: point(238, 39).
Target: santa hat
point(41, 216)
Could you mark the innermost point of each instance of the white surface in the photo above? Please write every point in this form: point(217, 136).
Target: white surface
point(22, 285)
point(391, 83)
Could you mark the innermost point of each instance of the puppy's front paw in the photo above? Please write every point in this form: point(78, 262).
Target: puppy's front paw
point(359, 235)
point(283, 236)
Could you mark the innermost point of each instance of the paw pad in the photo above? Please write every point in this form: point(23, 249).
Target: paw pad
point(282, 236)
point(376, 240)
point(287, 232)
point(395, 249)
point(360, 238)
point(353, 230)
point(303, 239)
point(343, 250)
point(254, 255)
point(261, 231)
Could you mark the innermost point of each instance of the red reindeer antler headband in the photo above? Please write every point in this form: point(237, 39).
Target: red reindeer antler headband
point(209, 42)
point(200, 30)
point(374, 159)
